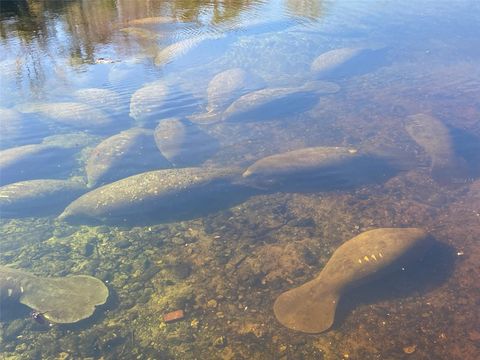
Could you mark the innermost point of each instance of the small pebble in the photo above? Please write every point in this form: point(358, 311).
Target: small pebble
point(173, 316)
point(410, 349)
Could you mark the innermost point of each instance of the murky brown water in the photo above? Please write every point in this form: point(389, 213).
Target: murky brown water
point(111, 89)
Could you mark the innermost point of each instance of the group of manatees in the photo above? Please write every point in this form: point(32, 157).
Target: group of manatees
point(156, 168)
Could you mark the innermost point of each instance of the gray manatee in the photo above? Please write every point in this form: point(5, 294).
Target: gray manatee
point(104, 99)
point(277, 102)
point(33, 161)
point(304, 163)
point(157, 192)
point(433, 136)
point(38, 197)
point(59, 299)
point(130, 152)
point(311, 307)
point(333, 59)
point(184, 143)
point(74, 114)
point(148, 101)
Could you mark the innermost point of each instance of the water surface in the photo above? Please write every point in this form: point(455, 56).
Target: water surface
point(223, 257)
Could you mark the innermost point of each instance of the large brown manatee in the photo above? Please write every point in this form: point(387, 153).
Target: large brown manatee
point(311, 307)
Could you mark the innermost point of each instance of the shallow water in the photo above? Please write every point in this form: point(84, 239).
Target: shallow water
point(225, 251)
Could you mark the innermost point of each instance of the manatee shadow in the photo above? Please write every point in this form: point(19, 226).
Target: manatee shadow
point(367, 61)
point(350, 174)
point(467, 146)
point(418, 278)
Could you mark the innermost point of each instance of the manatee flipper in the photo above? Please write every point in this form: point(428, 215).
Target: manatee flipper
point(64, 300)
point(307, 309)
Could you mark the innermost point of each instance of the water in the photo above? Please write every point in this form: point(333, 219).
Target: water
point(223, 250)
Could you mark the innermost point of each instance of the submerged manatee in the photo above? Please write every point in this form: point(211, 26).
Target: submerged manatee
point(149, 192)
point(33, 161)
point(38, 197)
point(272, 102)
point(148, 101)
point(181, 48)
point(130, 152)
point(225, 87)
point(302, 163)
point(105, 99)
point(433, 136)
point(333, 59)
point(77, 115)
point(61, 300)
point(311, 307)
point(184, 143)
point(151, 20)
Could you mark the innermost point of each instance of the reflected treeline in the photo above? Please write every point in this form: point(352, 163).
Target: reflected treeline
point(312, 9)
point(46, 35)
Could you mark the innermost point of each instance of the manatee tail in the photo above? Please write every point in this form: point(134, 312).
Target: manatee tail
point(64, 300)
point(308, 308)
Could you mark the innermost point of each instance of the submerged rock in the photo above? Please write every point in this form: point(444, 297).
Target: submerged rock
point(130, 152)
point(34, 161)
point(302, 163)
point(77, 115)
point(60, 300)
point(160, 192)
point(184, 143)
point(38, 197)
point(311, 307)
point(433, 136)
point(148, 101)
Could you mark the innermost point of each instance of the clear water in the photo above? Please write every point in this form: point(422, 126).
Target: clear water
point(223, 258)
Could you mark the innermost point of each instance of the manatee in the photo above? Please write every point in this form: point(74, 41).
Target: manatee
point(33, 161)
point(130, 152)
point(225, 87)
point(181, 48)
point(16, 130)
point(433, 136)
point(61, 300)
point(282, 101)
point(302, 163)
point(148, 101)
point(74, 114)
point(104, 99)
point(333, 59)
point(157, 192)
point(39, 197)
point(184, 143)
point(151, 20)
point(141, 33)
point(311, 307)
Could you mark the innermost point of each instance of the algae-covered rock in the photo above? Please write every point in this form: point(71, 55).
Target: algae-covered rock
point(60, 300)
point(130, 152)
point(161, 192)
point(327, 162)
point(33, 161)
point(184, 143)
point(38, 197)
point(311, 307)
